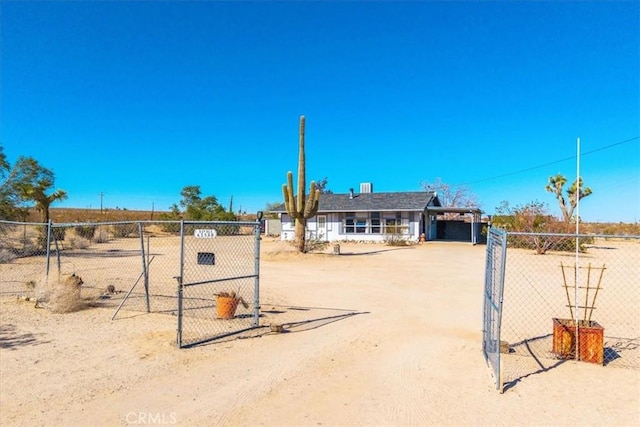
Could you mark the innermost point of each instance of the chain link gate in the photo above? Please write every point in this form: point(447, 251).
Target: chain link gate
point(493, 290)
point(218, 284)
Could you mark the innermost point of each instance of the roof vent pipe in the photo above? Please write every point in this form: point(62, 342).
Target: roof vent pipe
point(351, 193)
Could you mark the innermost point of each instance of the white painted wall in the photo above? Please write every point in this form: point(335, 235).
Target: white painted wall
point(335, 229)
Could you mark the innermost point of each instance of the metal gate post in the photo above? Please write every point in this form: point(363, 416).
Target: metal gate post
point(144, 269)
point(493, 298)
point(256, 286)
point(48, 249)
point(180, 286)
point(503, 262)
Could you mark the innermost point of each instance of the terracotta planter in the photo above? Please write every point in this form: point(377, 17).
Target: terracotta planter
point(590, 340)
point(226, 307)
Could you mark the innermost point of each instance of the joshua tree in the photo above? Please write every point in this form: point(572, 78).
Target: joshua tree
point(299, 206)
point(43, 201)
point(574, 193)
point(322, 186)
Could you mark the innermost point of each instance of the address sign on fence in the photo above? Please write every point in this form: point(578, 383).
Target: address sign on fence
point(205, 234)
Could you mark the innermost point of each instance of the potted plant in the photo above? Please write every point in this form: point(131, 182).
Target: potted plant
point(227, 303)
point(588, 333)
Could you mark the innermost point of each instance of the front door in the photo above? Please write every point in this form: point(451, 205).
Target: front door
point(321, 232)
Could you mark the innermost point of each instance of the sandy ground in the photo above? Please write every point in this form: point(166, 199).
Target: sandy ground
point(410, 356)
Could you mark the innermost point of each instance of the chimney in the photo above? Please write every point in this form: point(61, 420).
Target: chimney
point(351, 193)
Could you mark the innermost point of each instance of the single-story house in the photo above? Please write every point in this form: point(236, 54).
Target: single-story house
point(375, 217)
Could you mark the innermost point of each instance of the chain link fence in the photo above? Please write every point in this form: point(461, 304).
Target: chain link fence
point(492, 310)
point(172, 267)
point(219, 280)
point(561, 304)
point(23, 256)
point(114, 260)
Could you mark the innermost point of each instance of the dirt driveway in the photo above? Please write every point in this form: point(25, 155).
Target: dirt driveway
point(409, 355)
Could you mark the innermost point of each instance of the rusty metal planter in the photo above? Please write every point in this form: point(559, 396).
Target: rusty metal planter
point(590, 340)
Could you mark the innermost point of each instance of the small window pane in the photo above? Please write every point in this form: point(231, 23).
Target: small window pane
point(349, 225)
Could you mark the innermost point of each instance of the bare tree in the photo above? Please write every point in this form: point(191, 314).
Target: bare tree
point(456, 196)
point(270, 207)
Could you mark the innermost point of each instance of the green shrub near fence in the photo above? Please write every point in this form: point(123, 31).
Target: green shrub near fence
point(85, 231)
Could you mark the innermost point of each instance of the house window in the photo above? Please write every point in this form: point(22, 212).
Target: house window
point(356, 223)
point(350, 222)
point(291, 224)
point(375, 222)
point(390, 226)
point(393, 224)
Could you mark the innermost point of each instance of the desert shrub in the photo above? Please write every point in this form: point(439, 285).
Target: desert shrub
point(534, 217)
point(41, 242)
point(102, 236)
point(58, 233)
point(170, 227)
point(315, 245)
point(394, 240)
point(6, 256)
point(85, 231)
point(228, 229)
point(173, 226)
point(126, 229)
point(542, 243)
point(394, 235)
point(76, 242)
point(310, 245)
point(610, 228)
point(29, 247)
point(65, 296)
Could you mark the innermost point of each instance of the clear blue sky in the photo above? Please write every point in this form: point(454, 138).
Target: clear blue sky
point(137, 99)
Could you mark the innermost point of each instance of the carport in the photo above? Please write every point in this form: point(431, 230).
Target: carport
point(454, 230)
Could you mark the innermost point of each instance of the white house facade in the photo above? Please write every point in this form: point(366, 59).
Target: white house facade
point(368, 216)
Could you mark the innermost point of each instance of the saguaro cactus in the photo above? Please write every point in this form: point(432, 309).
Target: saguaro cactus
point(299, 206)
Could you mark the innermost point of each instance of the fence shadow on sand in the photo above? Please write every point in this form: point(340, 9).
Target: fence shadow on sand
point(285, 319)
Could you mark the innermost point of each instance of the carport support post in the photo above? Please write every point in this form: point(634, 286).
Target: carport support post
point(473, 229)
point(475, 221)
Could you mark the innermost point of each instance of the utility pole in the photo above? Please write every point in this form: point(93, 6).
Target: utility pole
point(101, 195)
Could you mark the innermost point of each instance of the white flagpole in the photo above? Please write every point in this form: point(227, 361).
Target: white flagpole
point(577, 219)
point(578, 194)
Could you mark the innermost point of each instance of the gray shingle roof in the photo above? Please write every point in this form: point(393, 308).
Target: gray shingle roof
point(400, 201)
